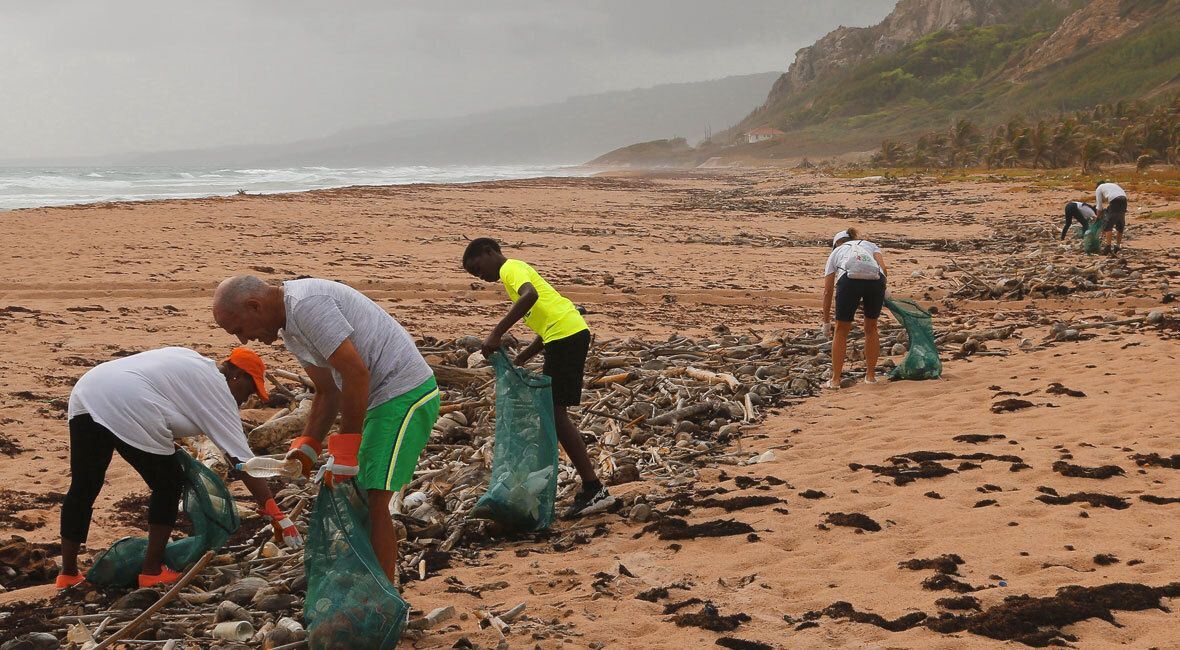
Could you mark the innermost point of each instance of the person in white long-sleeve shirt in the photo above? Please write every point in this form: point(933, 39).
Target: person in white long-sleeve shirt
point(1111, 203)
point(138, 406)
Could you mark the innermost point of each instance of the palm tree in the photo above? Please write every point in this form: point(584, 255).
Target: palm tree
point(961, 143)
point(1125, 131)
point(1065, 139)
point(1040, 144)
point(1093, 150)
point(1128, 143)
point(892, 153)
point(999, 153)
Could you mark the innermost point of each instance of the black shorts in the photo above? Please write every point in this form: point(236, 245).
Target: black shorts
point(851, 293)
point(565, 364)
point(1115, 216)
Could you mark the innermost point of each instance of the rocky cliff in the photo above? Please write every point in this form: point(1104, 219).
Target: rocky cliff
point(910, 20)
point(1095, 23)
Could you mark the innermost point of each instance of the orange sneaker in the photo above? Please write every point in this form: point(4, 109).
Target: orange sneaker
point(166, 577)
point(64, 581)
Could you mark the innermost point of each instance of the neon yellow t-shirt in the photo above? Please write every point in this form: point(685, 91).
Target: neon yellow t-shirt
point(553, 317)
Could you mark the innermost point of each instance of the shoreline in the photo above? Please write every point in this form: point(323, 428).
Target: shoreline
point(546, 172)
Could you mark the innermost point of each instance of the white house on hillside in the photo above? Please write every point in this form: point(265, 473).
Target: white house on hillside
point(763, 133)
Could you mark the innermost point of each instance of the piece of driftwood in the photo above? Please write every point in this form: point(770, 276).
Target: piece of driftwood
point(130, 628)
point(279, 431)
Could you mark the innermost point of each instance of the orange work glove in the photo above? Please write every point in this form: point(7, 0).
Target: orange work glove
point(285, 530)
point(306, 450)
point(342, 461)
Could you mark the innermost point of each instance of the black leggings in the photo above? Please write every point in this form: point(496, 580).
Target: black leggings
point(1072, 211)
point(91, 447)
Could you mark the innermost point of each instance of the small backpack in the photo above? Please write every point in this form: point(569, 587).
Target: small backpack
point(861, 265)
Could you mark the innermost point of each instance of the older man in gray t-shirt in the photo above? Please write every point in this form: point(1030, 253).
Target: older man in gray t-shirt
point(321, 314)
point(364, 366)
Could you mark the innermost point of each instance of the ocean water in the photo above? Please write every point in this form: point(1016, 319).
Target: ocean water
point(31, 187)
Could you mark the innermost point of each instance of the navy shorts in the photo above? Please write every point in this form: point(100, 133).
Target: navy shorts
point(850, 294)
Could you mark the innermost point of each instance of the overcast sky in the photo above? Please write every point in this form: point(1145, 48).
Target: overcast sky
point(83, 77)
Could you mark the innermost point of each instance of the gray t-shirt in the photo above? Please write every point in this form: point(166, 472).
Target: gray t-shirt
point(322, 313)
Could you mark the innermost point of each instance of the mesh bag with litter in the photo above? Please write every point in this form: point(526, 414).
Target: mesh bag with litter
point(350, 603)
point(921, 361)
point(1092, 240)
point(523, 487)
point(214, 516)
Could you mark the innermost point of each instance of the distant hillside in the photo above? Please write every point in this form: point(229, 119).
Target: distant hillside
point(931, 63)
point(568, 132)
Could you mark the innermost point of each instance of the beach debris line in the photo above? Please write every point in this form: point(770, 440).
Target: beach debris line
point(656, 410)
point(1036, 622)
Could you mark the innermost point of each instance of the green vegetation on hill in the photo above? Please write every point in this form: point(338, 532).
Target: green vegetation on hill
point(1126, 68)
point(654, 152)
point(940, 71)
point(980, 74)
point(1122, 132)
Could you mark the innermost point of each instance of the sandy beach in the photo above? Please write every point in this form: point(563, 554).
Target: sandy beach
point(649, 256)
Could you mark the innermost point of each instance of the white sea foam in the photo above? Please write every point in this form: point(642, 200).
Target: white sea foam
point(38, 187)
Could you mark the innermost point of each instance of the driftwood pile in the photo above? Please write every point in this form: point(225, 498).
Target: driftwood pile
point(652, 410)
point(1030, 262)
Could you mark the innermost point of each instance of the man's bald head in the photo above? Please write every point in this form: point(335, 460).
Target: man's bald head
point(233, 292)
point(249, 308)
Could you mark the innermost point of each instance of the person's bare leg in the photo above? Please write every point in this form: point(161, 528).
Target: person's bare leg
point(69, 556)
point(839, 349)
point(153, 558)
point(872, 348)
point(571, 441)
point(382, 535)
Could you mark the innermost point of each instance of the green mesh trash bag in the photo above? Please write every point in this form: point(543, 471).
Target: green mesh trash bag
point(1092, 240)
point(214, 516)
point(921, 361)
point(350, 603)
point(523, 488)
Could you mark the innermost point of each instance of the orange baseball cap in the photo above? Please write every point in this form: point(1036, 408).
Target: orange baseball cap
point(252, 364)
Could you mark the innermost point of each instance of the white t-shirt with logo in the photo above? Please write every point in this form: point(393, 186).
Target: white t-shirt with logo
point(838, 260)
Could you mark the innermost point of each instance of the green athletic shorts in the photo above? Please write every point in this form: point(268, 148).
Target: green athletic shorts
point(394, 436)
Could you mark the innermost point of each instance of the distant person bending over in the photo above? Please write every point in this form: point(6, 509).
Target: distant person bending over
point(565, 338)
point(365, 368)
point(138, 406)
point(1083, 213)
point(855, 273)
point(1111, 203)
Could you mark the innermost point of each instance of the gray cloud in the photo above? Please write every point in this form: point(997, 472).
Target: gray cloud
point(87, 78)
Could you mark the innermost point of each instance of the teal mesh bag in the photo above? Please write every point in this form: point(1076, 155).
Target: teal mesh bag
point(214, 516)
point(1092, 240)
point(921, 361)
point(350, 603)
point(523, 487)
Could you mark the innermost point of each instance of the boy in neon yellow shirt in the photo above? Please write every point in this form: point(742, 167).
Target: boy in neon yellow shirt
point(565, 338)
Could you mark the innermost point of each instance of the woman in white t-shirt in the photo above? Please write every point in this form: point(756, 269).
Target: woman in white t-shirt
point(139, 406)
point(855, 275)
